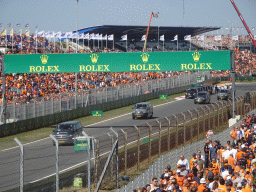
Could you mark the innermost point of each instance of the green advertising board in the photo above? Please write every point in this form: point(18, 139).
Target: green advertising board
point(118, 62)
point(80, 145)
point(163, 96)
point(97, 113)
point(198, 78)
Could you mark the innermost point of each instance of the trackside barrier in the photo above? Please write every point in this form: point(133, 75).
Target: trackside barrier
point(54, 116)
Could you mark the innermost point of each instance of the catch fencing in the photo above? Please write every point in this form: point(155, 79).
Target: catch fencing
point(144, 143)
point(171, 159)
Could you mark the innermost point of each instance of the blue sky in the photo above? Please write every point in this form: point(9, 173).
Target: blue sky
point(61, 15)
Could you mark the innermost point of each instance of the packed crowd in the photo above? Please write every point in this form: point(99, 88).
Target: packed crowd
point(229, 167)
point(24, 87)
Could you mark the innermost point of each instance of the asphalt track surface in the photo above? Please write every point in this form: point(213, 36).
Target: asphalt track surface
point(40, 159)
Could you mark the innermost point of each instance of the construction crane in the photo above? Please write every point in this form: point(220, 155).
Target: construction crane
point(151, 15)
point(243, 21)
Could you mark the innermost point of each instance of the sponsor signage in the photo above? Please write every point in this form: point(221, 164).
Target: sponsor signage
point(163, 96)
point(198, 78)
point(97, 113)
point(80, 145)
point(118, 62)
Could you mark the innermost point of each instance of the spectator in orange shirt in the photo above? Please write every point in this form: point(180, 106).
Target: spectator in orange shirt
point(202, 186)
point(179, 178)
point(233, 134)
point(231, 161)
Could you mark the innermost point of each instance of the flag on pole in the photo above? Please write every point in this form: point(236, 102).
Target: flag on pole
point(253, 29)
point(235, 38)
point(58, 34)
point(35, 35)
point(74, 35)
point(26, 33)
point(18, 25)
point(124, 38)
point(105, 37)
point(200, 37)
point(4, 32)
point(1, 24)
point(46, 35)
point(9, 25)
point(97, 36)
point(175, 38)
point(41, 33)
point(11, 32)
point(218, 38)
point(26, 25)
point(242, 28)
point(92, 36)
point(87, 36)
point(161, 38)
point(51, 34)
point(20, 32)
point(68, 35)
point(187, 37)
point(81, 36)
point(100, 37)
point(143, 38)
point(111, 37)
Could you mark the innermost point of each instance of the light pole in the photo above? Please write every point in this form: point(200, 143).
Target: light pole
point(231, 32)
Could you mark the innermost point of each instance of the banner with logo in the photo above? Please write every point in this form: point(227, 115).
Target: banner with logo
point(118, 62)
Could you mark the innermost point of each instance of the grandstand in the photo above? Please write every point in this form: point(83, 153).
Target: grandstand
point(23, 87)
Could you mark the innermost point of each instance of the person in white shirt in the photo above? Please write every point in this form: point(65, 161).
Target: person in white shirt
point(183, 161)
point(225, 172)
point(226, 154)
point(233, 151)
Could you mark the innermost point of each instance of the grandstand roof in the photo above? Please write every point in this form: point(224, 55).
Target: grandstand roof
point(136, 32)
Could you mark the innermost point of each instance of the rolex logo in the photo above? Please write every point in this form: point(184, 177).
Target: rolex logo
point(145, 57)
point(196, 56)
point(94, 58)
point(44, 58)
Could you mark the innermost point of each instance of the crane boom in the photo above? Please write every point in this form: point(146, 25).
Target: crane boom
point(146, 38)
point(243, 21)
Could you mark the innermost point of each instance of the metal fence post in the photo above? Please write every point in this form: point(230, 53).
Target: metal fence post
point(184, 128)
point(57, 161)
point(214, 113)
point(112, 160)
point(89, 160)
point(21, 163)
point(177, 135)
point(96, 161)
point(168, 130)
point(191, 129)
point(209, 119)
point(204, 117)
point(197, 124)
point(138, 148)
point(117, 183)
point(218, 115)
point(159, 137)
point(149, 150)
point(125, 151)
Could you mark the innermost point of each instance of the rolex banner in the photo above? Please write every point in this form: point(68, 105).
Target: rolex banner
point(118, 62)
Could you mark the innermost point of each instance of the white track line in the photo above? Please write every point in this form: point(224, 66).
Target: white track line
point(91, 125)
